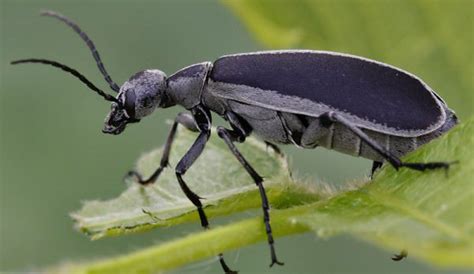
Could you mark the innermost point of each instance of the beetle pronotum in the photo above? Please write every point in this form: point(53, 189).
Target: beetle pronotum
point(306, 98)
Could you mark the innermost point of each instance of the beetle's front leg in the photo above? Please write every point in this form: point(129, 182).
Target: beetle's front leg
point(183, 118)
point(330, 117)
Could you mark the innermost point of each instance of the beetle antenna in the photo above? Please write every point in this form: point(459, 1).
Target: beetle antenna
point(72, 71)
point(89, 43)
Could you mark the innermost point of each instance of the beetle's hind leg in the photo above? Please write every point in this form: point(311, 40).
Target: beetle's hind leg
point(183, 118)
point(238, 134)
point(331, 117)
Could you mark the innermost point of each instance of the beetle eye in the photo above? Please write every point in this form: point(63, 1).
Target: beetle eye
point(129, 104)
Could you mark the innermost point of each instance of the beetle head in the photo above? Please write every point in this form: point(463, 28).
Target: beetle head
point(137, 98)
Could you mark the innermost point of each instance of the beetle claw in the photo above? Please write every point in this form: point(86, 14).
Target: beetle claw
point(398, 257)
point(275, 261)
point(132, 173)
point(138, 178)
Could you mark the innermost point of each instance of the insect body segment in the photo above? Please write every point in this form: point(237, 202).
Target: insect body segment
point(305, 98)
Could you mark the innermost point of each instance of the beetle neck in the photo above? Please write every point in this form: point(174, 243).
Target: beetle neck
point(167, 99)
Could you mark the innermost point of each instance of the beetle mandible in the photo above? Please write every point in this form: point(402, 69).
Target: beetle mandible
point(306, 98)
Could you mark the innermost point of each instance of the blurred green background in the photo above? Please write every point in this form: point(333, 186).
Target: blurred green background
point(53, 154)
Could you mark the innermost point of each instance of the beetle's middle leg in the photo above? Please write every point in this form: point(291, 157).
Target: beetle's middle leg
point(330, 117)
point(200, 120)
point(183, 118)
point(238, 134)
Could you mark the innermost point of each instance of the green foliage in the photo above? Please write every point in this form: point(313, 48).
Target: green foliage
point(427, 213)
point(432, 39)
point(216, 177)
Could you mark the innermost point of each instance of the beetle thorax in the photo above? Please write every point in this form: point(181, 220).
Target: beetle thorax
point(185, 86)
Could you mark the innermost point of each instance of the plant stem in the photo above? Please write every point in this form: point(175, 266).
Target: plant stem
point(205, 244)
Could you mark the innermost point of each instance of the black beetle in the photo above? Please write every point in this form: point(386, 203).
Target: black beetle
point(307, 98)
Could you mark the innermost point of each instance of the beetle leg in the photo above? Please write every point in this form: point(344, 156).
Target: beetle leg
point(398, 257)
point(375, 166)
point(274, 147)
point(202, 119)
point(184, 164)
point(330, 117)
point(183, 118)
point(238, 135)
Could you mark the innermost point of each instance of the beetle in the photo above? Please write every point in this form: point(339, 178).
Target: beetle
point(305, 98)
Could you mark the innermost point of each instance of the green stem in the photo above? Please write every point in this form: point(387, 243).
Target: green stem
point(205, 244)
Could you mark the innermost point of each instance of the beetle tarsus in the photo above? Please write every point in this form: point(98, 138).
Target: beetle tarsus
point(224, 266)
point(376, 165)
point(274, 258)
point(276, 262)
point(398, 257)
point(430, 165)
point(275, 148)
point(183, 118)
point(427, 166)
point(139, 178)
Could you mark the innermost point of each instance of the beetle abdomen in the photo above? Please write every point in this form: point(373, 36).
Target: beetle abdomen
point(340, 138)
point(371, 94)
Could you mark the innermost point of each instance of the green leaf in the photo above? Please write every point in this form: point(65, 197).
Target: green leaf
point(427, 213)
point(432, 39)
point(217, 177)
point(430, 214)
